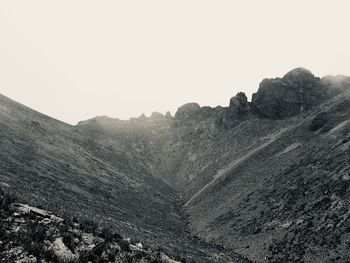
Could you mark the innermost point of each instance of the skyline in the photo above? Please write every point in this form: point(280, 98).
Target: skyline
point(76, 60)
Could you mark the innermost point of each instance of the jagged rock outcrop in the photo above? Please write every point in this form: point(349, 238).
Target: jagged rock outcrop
point(62, 253)
point(280, 98)
point(237, 110)
point(296, 92)
point(239, 104)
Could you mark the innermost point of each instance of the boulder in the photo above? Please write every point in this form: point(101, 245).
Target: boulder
point(133, 247)
point(139, 245)
point(166, 259)
point(39, 212)
point(62, 253)
point(19, 208)
point(25, 209)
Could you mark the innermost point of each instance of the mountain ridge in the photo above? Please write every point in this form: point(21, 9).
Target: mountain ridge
point(206, 170)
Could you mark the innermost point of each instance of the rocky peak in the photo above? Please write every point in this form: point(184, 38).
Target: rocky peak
point(297, 91)
point(188, 110)
point(299, 75)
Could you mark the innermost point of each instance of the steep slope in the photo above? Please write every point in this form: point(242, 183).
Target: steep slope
point(45, 159)
point(96, 176)
point(262, 181)
point(282, 184)
point(239, 168)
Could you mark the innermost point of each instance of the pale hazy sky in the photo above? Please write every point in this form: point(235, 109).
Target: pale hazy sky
point(74, 60)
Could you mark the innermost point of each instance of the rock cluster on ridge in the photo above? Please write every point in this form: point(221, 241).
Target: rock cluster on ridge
point(279, 98)
point(296, 92)
point(187, 111)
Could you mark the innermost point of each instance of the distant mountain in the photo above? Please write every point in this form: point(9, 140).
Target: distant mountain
point(268, 178)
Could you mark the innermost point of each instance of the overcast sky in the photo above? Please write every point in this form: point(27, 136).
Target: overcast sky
point(74, 60)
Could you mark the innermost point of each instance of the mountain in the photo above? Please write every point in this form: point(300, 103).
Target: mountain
point(268, 179)
point(106, 178)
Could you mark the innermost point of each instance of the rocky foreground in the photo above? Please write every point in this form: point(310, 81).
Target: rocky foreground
point(30, 235)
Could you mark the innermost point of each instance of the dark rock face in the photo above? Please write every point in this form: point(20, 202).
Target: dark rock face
point(284, 97)
point(239, 104)
point(236, 112)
